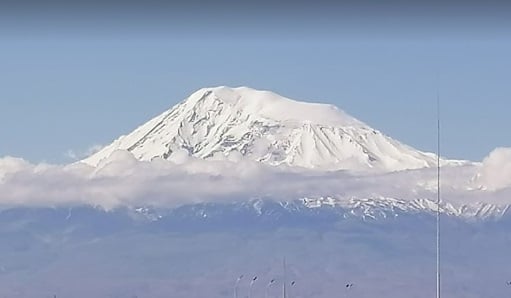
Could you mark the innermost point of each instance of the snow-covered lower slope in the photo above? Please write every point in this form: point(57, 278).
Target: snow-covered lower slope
point(323, 209)
point(241, 122)
point(382, 207)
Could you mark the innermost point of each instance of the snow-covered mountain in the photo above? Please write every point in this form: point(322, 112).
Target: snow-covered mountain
point(241, 122)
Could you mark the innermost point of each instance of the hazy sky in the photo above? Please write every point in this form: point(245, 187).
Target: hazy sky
point(73, 77)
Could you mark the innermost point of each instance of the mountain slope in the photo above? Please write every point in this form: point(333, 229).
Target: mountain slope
point(241, 122)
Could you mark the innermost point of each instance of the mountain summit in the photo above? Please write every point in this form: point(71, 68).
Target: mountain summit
point(263, 126)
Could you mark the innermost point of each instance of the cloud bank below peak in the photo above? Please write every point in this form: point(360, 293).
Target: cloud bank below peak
point(122, 180)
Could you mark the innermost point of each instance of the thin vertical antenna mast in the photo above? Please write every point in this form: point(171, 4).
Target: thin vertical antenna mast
point(438, 200)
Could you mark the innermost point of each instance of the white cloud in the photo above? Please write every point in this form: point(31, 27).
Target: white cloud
point(10, 165)
point(123, 180)
point(496, 170)
point(77, 155)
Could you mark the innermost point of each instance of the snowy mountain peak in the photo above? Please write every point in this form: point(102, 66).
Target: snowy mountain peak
point(269, 105)
point(263, 126)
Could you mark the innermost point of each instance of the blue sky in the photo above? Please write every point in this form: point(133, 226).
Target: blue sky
point(72, 82)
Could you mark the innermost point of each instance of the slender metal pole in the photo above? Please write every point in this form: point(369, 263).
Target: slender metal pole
point(236, 286)
point(348, 289)
point(250, 287)
point(267, 293)
point(438, 201)
point(284, 294)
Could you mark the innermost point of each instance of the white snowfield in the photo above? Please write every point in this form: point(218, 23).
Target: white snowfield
point(269, 128)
